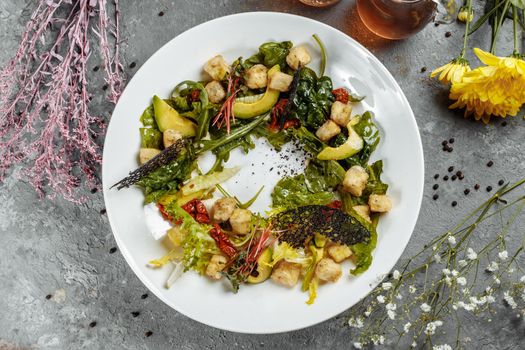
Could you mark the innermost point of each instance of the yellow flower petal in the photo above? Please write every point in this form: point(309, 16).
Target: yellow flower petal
point(486, 57)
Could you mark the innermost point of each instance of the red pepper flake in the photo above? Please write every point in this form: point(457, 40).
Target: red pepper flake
point(195, 95)
point(224, 244)
point(341, 95)
point(335, 205)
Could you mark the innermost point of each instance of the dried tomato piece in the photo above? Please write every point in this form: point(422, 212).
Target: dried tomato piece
point(341, 95)
point(335, 205)
point(195, 95)
point(189, 207)
point(202, 218)
point(292, 123)
point(164, 213)
point(224, 244)
point(277, 113)
point(201, 209)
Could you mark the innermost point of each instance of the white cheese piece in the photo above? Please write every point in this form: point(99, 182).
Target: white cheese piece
point(157, 225)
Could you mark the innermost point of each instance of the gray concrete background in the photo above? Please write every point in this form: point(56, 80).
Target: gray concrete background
point(62, 249)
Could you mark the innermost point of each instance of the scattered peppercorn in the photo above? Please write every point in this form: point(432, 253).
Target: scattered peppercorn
point(489, 188)
point(103, 211)
point(450, 169)
point(144, 296)
point(435, 187)
point(49, 296)
point(93, 324)
point(436, 176)
point(459, 173)
point(423, 69)
point(436, 24)
point(454, 177)
point(112, 250)
point(504, 124)
point(454, 203)
point(450, 149)
point(132, 65)
point(448, 34)
point(135, 313)
point(436, 196)
point(94, 190)
point(501, 182)
point(490, 163)
point(96, 68)
point(476, 187)
point(451, 140)
point(466, 192)
point(105, 87)
point(445, 177)
point(161, 13)
point(445, 148)
point(444, 143)
point(148, 333)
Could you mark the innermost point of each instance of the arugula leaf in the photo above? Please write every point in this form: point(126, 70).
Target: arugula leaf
point(270, 54)
point(276, 139)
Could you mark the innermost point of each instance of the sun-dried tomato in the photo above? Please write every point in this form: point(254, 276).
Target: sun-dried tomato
point(164, 213)
point(341, 95)
point(202, 218)
point(197, 210)
point(277, 112)
point(195, 95)
point(335, 205)
point(292, 123)
point(201, 209)
point(224, 244)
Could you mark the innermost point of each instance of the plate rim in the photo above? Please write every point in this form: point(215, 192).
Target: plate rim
point(127, 255)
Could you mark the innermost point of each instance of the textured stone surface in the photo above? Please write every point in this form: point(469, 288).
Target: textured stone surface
point(63, 250)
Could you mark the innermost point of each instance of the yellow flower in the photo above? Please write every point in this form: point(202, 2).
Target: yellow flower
point(464, 15)
point(452, 72)
point(497, 89)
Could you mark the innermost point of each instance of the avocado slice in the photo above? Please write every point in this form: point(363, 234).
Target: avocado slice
point(168, 118)
point(245, 110)
point(352, 145)
point(264, 270)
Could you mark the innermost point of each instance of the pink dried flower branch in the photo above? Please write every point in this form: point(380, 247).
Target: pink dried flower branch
point(45, 122)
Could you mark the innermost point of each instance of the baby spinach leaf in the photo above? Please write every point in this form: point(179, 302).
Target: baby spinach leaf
point(270, 54)
point(323, 175)
point(292, 192)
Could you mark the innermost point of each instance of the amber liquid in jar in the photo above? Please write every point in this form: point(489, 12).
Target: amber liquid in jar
point(396, 19)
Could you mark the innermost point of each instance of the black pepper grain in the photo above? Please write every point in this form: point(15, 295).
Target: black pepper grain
point(501, 182)
point(504, 124)
point(454, 203)
point(49, 296)
point(112, 250)
point(132, 64)
point(103, 211)
point(450, 149)
point(436, 176)
point(435, 187)
point(490, 163)
point(444, 143)
point(445, 177)
point(144, 296)
point(489, 188)
point(148, 334)
point(454, 177)
point(459, 173)
point(436, 24)
point(93, 324)
point(423, 69)
point(445, 148)
point(448, 34)
point(96, 68)
point(451, 140)
point(135, 313)
point(476, 187)
point(436, 196)
point(466, 192)
point(161, 13)
point(450, 169)
point(104, 87)
point(94, 190)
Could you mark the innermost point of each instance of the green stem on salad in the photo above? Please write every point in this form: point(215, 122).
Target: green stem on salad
point(247, 204)
point(323, 54)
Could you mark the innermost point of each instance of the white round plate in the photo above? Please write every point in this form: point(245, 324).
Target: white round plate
point(264, 308)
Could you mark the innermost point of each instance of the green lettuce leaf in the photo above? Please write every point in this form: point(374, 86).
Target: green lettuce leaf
point(292, 192)
point(270, 54)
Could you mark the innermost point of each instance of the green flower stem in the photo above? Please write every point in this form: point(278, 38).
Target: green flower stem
point(467, 25)
point(515, 28)
point(498, 21)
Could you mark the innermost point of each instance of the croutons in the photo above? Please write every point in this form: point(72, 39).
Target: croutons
point(170, 136)
point(280, 81)
point(328, 130)
point(355, 180)
point(223, 208)
point(298, 56)
point(363, 211)
point(216, 265)
point(328, 270)
point(286, 273)
point(241, 221)
point(339, 252)
point(256, 77)
point(215, 91)
point(379, 203)
point(340, 113)
point(146, 154)
point(217, 68)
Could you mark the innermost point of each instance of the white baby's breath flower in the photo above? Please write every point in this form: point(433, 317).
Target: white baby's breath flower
point(432, 326)
point(391, 314)
point(381, 299)
point(523, 296)
point(368, 311)
point(441, 347)
point(511, 270)
point(503, 255)
point(399, 296)
point(467, 307)
point(356, 322)
point(491, 299)
point(493, 266)
point(451, 240)
point(413, 345)
point(437, 258)
point(446, 272)
point(522, 279)
point(412, 289)
point(448, 281)
point(358, 345)
point(396, 274)
point(378, 339)
point(461, 281)
point(488, 290)
point(462, 263)
point(391, 306)
point(425, 307)
point(465, 291)
point(471, 254)
point(407, 326)
point(386, 286)
point(455, 306)
point(509, 300)
point(454, 273)
point(496, 280)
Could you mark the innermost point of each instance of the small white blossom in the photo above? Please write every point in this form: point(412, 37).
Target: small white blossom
point(496, 280)
point(437, 258)
point(451, 240)
point(386, 286)
point(391, 306)
point(446, 272)
point(493, 266)
point(441, 347)
point(467, 307)
point(454, 273)
point(462, 281)
point(432, 326)
point(471, 254)
point(425, 307)
point(509, 300)
point(465, 291)
point(491, 299)
point(378, 340)
point(358, 345)
point(448, 281)
point(412, 289)
point(368, 311)
point(462, 263)
point(511, 270)
point(399, 296)
point(356, 322)
point(407, 326)
point(396, 274)
point(391, 314)
point(504, 255)
point(522, 279)
point(455, 306)
point(381, 299)
point(488, 290)
point(414, 344)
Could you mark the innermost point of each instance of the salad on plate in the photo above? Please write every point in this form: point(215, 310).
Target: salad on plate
point(318, 219)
